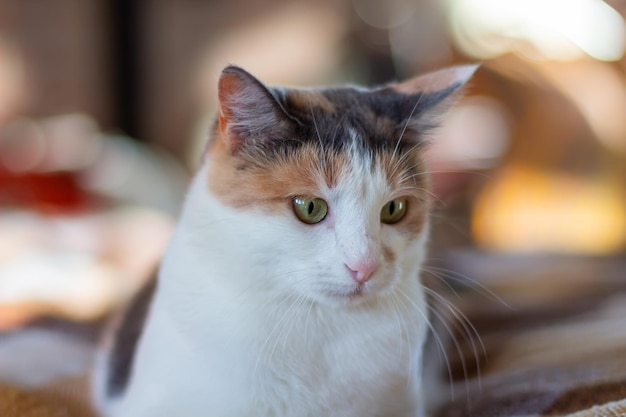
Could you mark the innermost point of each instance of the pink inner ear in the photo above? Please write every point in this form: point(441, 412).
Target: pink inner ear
point(227, 87)
point(222, 121)
point(437, 80)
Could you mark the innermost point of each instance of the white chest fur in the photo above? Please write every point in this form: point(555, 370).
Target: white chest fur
point(295, 361)
point(220, 341)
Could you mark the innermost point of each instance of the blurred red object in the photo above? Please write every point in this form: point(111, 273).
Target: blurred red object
point(41, 161)
point(49, 191)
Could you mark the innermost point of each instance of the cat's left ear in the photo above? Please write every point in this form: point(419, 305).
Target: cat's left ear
point(248, 111)
point(425, 99)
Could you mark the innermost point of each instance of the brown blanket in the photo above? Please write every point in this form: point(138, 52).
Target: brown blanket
point(554, 336)
point(67, 398)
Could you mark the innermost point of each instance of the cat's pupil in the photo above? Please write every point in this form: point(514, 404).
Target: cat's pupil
point(310, 208)
point(392, 207)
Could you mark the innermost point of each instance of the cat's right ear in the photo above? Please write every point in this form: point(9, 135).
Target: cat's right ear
point(248, 112)
point(424, 100)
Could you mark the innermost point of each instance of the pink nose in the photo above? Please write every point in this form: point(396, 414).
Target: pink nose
point(363, 270)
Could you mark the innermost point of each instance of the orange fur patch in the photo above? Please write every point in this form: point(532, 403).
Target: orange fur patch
point(244, 184)
point(388, 255)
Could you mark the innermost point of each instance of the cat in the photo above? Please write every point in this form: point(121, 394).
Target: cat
point(291, 286)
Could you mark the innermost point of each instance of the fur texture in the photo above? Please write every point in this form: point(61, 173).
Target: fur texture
point(259, 314)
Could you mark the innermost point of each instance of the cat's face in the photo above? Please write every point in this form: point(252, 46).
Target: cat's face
point(332, 182)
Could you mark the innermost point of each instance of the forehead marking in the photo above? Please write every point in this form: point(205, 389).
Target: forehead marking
point(305, 99)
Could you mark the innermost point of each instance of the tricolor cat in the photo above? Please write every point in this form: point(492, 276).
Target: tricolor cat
point(291, 287)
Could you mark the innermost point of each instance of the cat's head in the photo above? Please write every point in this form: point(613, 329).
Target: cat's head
point(332, 181)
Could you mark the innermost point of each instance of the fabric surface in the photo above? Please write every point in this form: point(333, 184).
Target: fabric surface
point(66, 398)
point(554, 337)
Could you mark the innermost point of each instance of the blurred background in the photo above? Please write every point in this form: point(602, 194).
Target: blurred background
point(105, 107)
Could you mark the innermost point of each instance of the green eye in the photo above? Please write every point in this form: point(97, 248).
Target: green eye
point(310, 210)
point(393, 211)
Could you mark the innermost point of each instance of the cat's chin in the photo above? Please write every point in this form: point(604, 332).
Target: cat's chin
point(357, 293)
point(354, 295)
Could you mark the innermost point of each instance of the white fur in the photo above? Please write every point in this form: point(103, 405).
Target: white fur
point(248, 319)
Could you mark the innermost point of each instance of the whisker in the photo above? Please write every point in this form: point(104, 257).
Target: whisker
point(406, 124)
point(319, 137)
point(414, 188)
point(460, 316)
point(457, 347)
point(436, 338)
point(451, 333)
point(302, 299)
point(466, 324)
point(467, 280)
point(277, 324)
point(398, 164)
point(428, 270)
point(404, 333)
point(287, 314)
point(454, 223)
point(306, 321)
point(458, 171)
